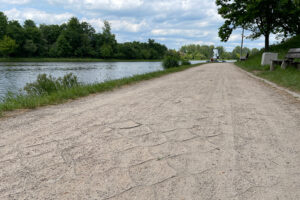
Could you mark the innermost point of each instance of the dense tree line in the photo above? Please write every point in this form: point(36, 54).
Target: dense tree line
point(72, 39)
point(205, 52)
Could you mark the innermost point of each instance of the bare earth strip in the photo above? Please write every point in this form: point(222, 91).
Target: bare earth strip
point(210, 132)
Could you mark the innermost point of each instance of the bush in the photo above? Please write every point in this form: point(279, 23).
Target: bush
point(68, 81)
point(171, 59)
point(185, 62)
point(46, 85)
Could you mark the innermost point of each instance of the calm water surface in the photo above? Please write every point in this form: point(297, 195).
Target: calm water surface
point(14, 76)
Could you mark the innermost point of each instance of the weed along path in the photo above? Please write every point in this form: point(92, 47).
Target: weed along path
point(210, 132)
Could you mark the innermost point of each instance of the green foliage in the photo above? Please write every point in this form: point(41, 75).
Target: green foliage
point(73, 39)
point(34, 42)
point(110, 44)
point(68, 81)
point(237, 51)
point(171, 59)
point(3, 24)
point(15, 31)
point(45, 85)
point(197, 52)
point(29, 24)
point(291, 16)
point(204, 52)
point(30, 47)
point(261, 17)
point(7, 46)
point(221, 51)
point(106, 51)
point(63, 47)
point(50, 32)
point(254, 51)
point(185, 62)
point(138, 50)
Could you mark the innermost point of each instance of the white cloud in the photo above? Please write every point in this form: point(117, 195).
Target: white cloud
point(204, 43)
point(126, 25)
point(235, 37)
point(101, 4)
point(38, 16)
point(15, 2)
point(190, 33)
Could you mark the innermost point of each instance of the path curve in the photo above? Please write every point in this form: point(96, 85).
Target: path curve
point(210, 132)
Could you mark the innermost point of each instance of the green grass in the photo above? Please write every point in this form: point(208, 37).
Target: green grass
point(15, 102)
point(70, 60)
point(289, 78)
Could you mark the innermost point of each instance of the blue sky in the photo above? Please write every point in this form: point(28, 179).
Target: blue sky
point(170, 22)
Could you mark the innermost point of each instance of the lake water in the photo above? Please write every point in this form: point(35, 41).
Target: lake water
point(14, 76)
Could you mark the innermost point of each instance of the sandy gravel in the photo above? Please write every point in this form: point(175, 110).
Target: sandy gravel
point(210, 132)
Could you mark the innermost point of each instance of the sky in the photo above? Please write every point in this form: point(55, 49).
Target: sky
point(171, 22)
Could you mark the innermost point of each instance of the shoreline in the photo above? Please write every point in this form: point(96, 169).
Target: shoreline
point(8, 60)
point(19, 102)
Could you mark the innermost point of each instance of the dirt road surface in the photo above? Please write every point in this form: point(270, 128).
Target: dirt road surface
point(210, 132)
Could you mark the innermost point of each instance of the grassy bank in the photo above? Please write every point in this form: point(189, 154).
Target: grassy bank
point(289, 78)
point(70, 60)
point(34, 101)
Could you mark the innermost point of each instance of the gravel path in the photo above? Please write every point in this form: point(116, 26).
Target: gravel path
point(210, 132)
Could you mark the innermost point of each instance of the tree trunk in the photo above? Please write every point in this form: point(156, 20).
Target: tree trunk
point(267, 41)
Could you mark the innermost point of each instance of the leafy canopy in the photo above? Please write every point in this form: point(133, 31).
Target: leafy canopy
point(261, 17)
point(72, 39)
point(7, 46)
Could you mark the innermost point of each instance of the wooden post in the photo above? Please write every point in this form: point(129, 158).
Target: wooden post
point(242, 43)
point(272, 66)
point(283, 65)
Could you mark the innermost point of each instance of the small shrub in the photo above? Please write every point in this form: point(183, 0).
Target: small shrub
point(185, 62)
point(45, 85)
point(171, 59)
point(68, 81)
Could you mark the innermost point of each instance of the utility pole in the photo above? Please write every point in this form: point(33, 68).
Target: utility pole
point(242, 44)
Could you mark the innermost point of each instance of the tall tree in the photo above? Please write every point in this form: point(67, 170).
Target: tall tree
point(72, 34)
point(254, 51)
point(34, 45)
point(3, 24)
point(7, 46)
point(30, 47)
point(290, 20)
point(110, 43)
point(15, 31)
point(259, 16)
point(221, 51)
point(64, 49)
point(237, 50)
point(29, 24)
point(50, 33)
